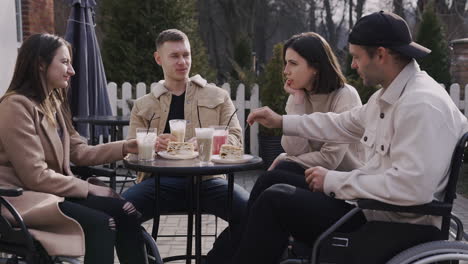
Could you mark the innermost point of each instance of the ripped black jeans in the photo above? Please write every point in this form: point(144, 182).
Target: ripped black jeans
point(105, 223)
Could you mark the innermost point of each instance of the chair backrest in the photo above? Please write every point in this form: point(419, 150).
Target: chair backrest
point(451, 189)
point(455, 166)
point(15, 240)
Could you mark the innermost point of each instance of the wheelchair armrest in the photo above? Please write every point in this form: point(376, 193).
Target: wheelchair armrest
point(89, 171)
point(11, 192)
point(432, 208)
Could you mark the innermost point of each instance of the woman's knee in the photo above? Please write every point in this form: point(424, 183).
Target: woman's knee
point(277, 192)
point(269, 178)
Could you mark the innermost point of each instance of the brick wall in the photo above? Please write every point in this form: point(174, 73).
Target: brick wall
point(459, 67)
point(38, 16)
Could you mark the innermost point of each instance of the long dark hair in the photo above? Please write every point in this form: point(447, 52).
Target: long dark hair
point(29, 80)
point(319, 55)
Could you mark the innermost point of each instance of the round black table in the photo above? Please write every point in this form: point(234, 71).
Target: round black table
point(190, 168)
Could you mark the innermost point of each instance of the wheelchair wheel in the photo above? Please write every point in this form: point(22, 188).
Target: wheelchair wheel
point(433, 252)
point(151, 249)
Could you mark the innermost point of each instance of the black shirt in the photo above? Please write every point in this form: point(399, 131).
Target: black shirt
point(176, 110)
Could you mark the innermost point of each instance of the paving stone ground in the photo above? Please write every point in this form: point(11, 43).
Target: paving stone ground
point(175, 224)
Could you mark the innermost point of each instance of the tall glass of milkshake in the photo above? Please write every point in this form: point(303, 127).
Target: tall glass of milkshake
point(205, 145)
point(178, 129)
point(146, 139)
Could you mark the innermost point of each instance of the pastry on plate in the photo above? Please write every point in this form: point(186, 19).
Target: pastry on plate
point(180, 148)
point(231, 152)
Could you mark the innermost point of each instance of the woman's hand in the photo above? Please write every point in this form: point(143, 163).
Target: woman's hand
point(102, 191)
point(163, 140)
point(298, 94)
point(130, 146)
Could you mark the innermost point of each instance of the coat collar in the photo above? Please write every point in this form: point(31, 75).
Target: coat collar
point(159, 89)
point(398, 85)
point(52, 135)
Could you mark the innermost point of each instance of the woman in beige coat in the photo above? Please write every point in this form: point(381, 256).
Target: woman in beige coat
point(65, 214)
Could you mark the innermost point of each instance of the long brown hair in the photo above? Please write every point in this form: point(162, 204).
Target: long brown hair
point(319, 55)
point(29, 80)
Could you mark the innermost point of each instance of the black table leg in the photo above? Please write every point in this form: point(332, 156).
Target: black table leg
point(94, 141)
point(113, 180)
point(198, 226)
point(190, 221)
point(229, 205)
point(157, 207)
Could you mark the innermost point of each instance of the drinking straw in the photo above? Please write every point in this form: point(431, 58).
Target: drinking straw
point(149, 124)
point(230, 118)
point(198, 115)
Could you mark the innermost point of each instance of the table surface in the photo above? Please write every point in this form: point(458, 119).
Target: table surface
point(103, 120)
point(189, 166)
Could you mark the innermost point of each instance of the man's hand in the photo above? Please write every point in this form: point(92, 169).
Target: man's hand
point(315, 177)
point(266, 117)
point(163, 140)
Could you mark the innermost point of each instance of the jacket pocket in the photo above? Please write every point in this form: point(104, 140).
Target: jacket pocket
point(210, 102)
point(368, 141)
point(208, 111)
point(148, 114)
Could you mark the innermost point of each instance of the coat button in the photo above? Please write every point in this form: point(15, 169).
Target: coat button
point(332, 194)
point(365, 138)
point(382, 115)
point(382, 147)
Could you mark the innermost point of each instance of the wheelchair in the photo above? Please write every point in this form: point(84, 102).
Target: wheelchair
point(17, 245)
point(375, 243)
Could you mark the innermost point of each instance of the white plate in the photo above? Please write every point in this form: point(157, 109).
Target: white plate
point(218, 159)
point(166, 155)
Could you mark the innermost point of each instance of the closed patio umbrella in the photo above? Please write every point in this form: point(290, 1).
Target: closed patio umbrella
point(88, 95)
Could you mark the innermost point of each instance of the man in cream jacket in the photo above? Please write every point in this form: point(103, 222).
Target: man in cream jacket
point(201, 105)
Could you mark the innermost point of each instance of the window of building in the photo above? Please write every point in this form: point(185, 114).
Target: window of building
point(19, 23)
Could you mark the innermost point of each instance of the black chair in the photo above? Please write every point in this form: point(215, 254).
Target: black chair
point(375, 241)
point(108, 173)
point(17, 243)
point(19, 246)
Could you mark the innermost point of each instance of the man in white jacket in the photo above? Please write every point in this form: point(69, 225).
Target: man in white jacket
point(409, 129)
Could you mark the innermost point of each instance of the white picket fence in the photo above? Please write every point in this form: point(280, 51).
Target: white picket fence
point(455, 94)
point(122, 102)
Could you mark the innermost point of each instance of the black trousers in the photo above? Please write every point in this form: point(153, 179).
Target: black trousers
point(281, 205)
point(93, 214)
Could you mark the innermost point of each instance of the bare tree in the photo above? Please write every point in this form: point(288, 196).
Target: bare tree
point(312, 18)
point(453, 14)
point(398, 8)
point(359, 7)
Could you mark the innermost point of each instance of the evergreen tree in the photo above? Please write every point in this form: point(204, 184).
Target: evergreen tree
point(431, 35)
point(130, 29)
point(272, 93)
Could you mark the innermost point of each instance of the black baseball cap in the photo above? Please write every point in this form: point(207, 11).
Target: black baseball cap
point(385, 29)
